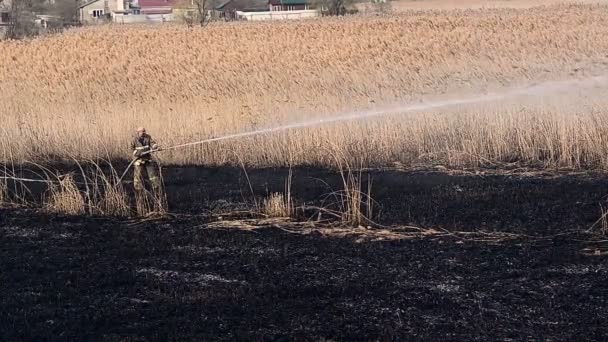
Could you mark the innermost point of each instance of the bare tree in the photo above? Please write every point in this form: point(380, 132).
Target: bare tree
point(382, 6)
point(334, 7)
point(203, 7)
point(22, 15)
point(67, 10)
point(21, 18)
point(196, 11)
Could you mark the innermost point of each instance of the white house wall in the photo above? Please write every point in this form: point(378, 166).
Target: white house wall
point(143, 18)
point(277, 15)
point(86, 15)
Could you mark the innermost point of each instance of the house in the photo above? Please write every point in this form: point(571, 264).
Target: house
point(228, 9)
point(126, 11)
point(153, 6)
point(148, 11)
point(5, 16)
point(5, 6)
point(266, 9)
point(98, 11)
point(289, 5)
point(46, 21)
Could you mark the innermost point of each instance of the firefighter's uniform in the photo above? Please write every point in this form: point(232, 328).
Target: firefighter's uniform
point(140, 145)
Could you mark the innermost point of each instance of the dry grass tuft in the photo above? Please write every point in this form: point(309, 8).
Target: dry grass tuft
point(603, 221)
point(110, 196)
point(148, 203)
point(356, 205)
point(115, 202)
point(4, 199)
point(96, 193)
point(276, 205)
point(65, 197)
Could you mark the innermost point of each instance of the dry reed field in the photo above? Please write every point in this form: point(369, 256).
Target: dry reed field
point(82, 93)
point(413, 175)
point(408, 5)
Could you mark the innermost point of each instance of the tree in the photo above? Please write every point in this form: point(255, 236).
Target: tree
point(381, 6)
point(67, 10)
point(22, 15)
point(196, 11)
point(335, 7)
point(21, 18)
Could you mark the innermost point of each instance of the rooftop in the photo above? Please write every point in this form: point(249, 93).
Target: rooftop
point(244, 5)
point(289, 2)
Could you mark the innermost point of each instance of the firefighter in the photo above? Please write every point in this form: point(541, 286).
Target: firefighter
point(141, 144)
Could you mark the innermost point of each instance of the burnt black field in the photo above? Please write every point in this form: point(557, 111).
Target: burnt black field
point(511, 259)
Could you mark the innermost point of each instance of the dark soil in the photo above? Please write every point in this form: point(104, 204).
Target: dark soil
point(541, 204)
point(79, 278)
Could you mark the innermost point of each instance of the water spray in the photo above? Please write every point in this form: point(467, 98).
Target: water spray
point(540, 89)
point(533, 90)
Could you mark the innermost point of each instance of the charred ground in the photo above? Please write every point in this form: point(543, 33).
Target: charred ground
point(113, 279)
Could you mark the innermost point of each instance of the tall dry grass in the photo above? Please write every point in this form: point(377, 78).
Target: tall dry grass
point(3, 192)
point(65, 197)
point(82, 93)
point(276, 205)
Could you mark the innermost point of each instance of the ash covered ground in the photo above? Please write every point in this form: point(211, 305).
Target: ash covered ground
point(497, 257)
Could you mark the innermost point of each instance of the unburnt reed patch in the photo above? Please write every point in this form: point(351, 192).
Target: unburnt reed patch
point(190, 84)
